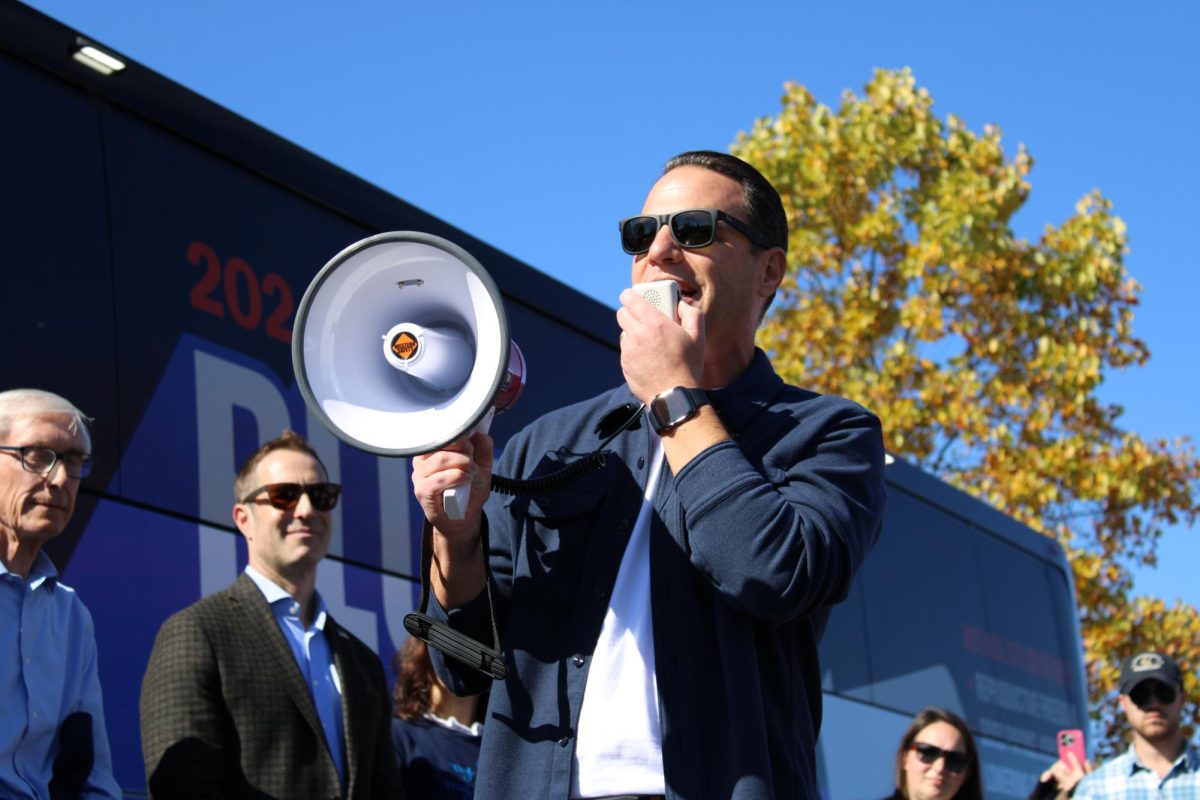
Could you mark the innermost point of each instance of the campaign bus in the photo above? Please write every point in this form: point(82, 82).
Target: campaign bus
point(156, 247)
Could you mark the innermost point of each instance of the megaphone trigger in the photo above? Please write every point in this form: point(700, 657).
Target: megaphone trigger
point(455, 499)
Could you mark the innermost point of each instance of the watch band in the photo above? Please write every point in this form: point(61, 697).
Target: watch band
point(675, 406)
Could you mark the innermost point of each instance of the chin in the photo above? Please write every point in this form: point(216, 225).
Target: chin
point(943, 792)
point(1157, 732)
point(312, 555)
point(48, 526)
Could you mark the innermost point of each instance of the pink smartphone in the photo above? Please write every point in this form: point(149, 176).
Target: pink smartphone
point(1071, 741)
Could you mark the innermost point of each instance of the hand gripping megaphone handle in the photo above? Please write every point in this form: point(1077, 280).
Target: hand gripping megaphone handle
point(455, 499)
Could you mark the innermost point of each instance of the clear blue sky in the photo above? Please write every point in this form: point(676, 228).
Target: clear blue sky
point(535, 126)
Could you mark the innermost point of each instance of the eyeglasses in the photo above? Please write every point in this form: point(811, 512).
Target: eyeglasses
point(691, 228)
point(285, 496)
point(955, 761)
point(42, 460)
point(1141, 693)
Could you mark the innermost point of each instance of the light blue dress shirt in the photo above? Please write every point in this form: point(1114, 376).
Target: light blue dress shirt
point(315, 660)
point(48, 670)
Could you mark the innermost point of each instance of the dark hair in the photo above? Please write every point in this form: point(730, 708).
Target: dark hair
point(972, 788)
point(761, 206)
point(288, 440)
point(412, 691)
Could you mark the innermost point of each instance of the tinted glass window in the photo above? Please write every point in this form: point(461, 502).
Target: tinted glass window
point(922, 592)
point(844, 668)
point(1027, 695)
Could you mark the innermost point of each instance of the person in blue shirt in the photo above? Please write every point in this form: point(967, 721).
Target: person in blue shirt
point(435, 733)
point(660, 616)
point(1160, 764)
point(256, 691)
point(52, 736)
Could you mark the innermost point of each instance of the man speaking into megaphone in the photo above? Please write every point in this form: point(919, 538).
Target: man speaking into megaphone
point(660, 617)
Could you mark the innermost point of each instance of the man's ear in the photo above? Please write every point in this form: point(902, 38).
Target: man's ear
point(774, 268)
point(241, 518)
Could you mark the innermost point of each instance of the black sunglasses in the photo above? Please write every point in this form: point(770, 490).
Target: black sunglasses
point(691, 228)
point(955, 762)
point(1141, 693)
point(285, 496)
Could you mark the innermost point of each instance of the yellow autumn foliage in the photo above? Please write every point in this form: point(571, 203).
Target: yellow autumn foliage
point(982, 352)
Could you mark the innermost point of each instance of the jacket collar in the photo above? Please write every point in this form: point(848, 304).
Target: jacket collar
point(744, 399)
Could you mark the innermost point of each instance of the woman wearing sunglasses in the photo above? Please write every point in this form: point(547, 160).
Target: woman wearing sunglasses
point(937, 759)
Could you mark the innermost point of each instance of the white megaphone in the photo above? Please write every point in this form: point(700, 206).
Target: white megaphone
point(401, 347)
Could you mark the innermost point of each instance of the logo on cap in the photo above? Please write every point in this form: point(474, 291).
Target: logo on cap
point(1146, 662)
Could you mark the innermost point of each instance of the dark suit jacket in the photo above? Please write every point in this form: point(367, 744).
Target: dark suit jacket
point(226, 713)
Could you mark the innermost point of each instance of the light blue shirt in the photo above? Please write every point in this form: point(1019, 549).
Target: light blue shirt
point(1127, 778)
point(48, 670)
point(315, 660)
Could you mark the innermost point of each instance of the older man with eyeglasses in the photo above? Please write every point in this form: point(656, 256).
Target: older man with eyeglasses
point(256, 691)
point(52, 737)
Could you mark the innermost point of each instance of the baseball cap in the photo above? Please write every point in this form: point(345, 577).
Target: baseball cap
point(1149, 666)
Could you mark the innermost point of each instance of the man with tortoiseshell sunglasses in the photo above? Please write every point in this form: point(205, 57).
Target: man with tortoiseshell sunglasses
point(256, 691)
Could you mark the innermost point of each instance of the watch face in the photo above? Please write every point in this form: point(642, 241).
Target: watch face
point(658, 411)
point(671, 408)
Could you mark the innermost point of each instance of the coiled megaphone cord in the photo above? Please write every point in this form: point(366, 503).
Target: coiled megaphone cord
point(561, 478)
point(549, 483)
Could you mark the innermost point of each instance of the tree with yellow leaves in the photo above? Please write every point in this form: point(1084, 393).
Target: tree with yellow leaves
point(909, 292)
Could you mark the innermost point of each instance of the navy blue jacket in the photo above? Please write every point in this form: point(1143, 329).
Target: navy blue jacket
point(752, 543)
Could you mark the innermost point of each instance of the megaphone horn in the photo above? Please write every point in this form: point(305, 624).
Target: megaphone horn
point(401, 347)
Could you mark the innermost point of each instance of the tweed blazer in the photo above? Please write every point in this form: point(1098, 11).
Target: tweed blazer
point(225, 711)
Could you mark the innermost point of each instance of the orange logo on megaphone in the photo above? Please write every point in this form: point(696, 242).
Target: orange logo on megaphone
point(405, 346)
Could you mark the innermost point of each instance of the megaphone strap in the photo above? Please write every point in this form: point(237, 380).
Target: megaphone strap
point(437, 634)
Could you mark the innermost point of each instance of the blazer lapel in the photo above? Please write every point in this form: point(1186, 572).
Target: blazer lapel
point(264, 632)
point(352, 686)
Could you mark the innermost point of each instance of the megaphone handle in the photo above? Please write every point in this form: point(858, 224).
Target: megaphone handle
point(455, 499)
